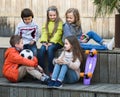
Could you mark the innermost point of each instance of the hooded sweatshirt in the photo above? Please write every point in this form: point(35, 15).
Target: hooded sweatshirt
point(29, 32)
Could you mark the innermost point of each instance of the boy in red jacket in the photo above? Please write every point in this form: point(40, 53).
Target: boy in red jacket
point(16, 67)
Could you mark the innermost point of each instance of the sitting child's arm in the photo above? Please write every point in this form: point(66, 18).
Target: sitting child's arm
point(18, 59)
point(40, 68)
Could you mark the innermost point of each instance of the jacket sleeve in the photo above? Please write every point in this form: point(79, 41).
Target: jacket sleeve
point(74, 65)
point(61, 56)
point(43, 34)
point(17, 30)
point(58, 35)
point(18, 59)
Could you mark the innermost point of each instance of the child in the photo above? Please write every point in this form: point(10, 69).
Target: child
point(28, 29)
point(51, 38)
point(16, 67)
point(73, 27)
point(67, 66)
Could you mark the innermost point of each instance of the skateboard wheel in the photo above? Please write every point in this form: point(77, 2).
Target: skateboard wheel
point(82, 74)
point(94, 52)
point(89, 75)
point(87, 52)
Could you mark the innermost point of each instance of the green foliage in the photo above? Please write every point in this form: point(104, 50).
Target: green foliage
point(104, 7)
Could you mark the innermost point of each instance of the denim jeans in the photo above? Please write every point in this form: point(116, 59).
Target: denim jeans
point(95, 37)
point(50, 54)
point(33, 48)
point(64, 74)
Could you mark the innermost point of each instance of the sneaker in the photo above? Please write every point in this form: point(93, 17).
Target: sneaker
point(111, 44)
point(58, 84)
point(51, 83)
point(46, 76)
point(45, 80)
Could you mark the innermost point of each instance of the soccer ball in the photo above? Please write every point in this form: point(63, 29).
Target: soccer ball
point(84, 38)
point(26, 53)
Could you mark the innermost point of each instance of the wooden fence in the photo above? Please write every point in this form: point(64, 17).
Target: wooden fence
point(10, 15)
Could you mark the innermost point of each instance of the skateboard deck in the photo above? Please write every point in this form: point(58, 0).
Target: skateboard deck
point(89, 66)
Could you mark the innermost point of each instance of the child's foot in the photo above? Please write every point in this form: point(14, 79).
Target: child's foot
point(110, 45)
point(45, 80)
point(51, 83)
point(58, 84)
point(46, 76)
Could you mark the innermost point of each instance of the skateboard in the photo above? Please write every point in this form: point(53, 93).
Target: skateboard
point(89, 66)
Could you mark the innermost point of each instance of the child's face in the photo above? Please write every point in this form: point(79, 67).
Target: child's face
point(67, 45)
point(27, 20)
point(52, 15)
point(19, 45)
point(70, 18)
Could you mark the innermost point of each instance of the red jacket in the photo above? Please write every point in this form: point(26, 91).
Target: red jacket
point(12, 62)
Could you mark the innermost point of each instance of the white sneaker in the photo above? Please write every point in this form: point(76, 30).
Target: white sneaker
point(111, 44)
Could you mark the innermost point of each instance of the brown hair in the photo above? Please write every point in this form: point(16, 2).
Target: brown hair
point(76, 49)
point(15, 39)
point(26, 13)
point(76, 15)
point(58, 19)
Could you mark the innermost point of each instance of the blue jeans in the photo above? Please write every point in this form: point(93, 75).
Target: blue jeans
point(50, 53)
point(64, 74)
point(95, 37)
point(33, 48)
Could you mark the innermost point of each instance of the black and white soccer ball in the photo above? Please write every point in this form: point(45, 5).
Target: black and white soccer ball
point(26, 53)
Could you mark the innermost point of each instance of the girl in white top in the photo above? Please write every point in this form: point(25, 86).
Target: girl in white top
point(67, 65)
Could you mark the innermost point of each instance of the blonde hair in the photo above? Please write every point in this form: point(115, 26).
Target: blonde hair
point(76, 15)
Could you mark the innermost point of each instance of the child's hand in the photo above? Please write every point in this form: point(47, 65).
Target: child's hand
point(84, 38)
point(60, 61)
point(49, 44)
point(40, 69)
point(46, 45)
point(32, 42)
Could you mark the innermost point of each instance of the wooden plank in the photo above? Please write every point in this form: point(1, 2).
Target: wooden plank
point(52, 2)
point(14, 92)
point(2, 7)
point(27, 3)
point(8, 7)
point(84, 8)
point(75, 94)
point(85, 24)
point(4, 91)
point(48, 93)
point(99, 26)
point(57, 93)
point(22, 92)
point(39, 93)
point(118, 68)
point(96, 74)
point(105, 27)
point(73, 3)
point(65, 94)
point(112, 95)
point(112, 68)
point(86, 94)
point(104, 67)
point(2, 51)
point(13, 7)
point(30, 92)
point(90, 9)
point(111, 27)
point(101, 95)
point(34, 8)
